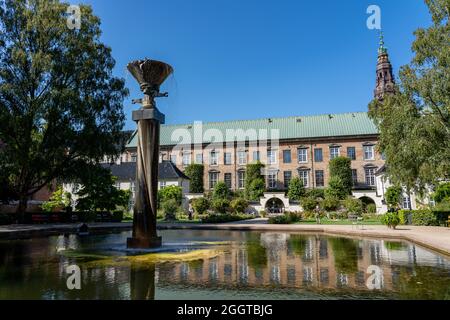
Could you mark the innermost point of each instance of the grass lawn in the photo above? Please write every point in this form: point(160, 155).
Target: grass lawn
point(340, 222)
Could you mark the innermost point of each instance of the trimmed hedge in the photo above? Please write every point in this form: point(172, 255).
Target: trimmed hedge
point(423, 217)
point(287, 218)
point(221, 218)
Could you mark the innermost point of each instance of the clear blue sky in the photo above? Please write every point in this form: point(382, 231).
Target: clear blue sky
point(244, 59)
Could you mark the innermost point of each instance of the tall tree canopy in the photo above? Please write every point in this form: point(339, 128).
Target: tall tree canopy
point(414, 123)
point(60, 105)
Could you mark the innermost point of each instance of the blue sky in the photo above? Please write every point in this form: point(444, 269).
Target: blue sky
point(244, 59)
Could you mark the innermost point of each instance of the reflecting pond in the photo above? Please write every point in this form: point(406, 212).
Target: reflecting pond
point(196, 264)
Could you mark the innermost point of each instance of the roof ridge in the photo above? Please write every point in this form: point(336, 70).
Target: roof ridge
point(265, 118)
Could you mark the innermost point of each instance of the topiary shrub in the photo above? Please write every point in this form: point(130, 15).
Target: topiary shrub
point(315, 193)
point(221, 191)
point(296, 189)
point(394, 196)
point(220, 205)
point(195, 174)
point(239, 205)
point(391, 219)
point(287, 218)
point(170, 193)
point(330, 203)
point(200, 205)
point(170, 208)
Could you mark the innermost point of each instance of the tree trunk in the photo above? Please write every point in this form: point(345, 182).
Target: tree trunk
point(21, 209)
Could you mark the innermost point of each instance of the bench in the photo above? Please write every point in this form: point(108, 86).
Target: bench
point(356, 220)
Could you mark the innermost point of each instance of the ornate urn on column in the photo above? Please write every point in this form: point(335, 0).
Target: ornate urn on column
point(150, 74)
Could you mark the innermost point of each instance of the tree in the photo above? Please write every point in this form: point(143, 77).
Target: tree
point(442, 192)
point(221, 191)
point(255, 184)
point(60, 105)
point(296, 189)
point(98, 192)
point(414, 123)
point(170, 193)
point(59, 199)
point(394, 196)
point(239, 205)
point(200, 205)
point(341, 167)
point(195, 174)
point(336, 189)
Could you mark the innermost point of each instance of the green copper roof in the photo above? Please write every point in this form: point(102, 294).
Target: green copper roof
point(301, 127)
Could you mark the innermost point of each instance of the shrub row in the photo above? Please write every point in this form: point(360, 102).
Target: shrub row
point(221, 218)
point(287, 218)
point(423, 217)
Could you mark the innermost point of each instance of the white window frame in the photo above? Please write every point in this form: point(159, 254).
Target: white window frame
point(302, 155)
point(199, 158)
point(333, 154)
point(272, 178)
point(230, 158)
point(241, 179)
point(186, 159)
point(304, 177)
point(214, 158)
point(242, 157)
point(369, 152)
point(370, 176)
point(212, 182)
point(272, 156)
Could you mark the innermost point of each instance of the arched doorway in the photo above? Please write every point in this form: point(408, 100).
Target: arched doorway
point(366, 202)
point(275, 206)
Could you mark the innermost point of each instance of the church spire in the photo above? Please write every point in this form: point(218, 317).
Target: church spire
point(385, 78)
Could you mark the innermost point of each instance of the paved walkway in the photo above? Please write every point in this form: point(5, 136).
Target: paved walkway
point(436, 238)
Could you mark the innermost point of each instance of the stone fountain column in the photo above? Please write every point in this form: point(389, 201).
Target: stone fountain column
point(150, 74)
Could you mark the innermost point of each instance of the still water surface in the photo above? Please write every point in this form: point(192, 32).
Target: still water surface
point(223, 265)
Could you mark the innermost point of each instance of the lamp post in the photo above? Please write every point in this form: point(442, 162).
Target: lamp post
point(150, 74)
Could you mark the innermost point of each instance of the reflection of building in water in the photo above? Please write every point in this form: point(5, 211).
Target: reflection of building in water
point(294, 261)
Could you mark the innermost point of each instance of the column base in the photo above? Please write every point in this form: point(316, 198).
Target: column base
point(144, 243)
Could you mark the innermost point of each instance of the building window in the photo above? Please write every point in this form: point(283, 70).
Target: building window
point(370, 176)
point(186, 159)
point(272, 179)
point(369, 153)
point(133, 157)
point(241, 179)
point(271, 156)
point(320, 181)
point(199, 158)
point(334, 152)
point(304, 177)
point(287, 178)
point(318, 155)
point(287, 156)
point(227, 178)
point(351, 153)
point(227, 158)
point(242, 157)
point(214, 157)
point(302, 155)
point(213, 178)
point(355, 177)
point(407, 203)
point(256, 156)
point(173, 158)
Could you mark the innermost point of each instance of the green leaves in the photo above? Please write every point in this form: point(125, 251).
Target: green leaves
point(60, 106)
point(414, 123)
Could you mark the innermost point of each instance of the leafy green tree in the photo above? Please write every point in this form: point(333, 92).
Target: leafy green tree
point(336, 188)
point(170, 193)
point(308, 203)
point(98, 192)
point(341, 168)
point(59, 199)
point(414, 123)
point(60, 105)
point(442, 192)
point(170, 208)
point(221, 191)
point(255, 184)
point(195, 173)
point(296, 189)
point(200, 205)
point(394, 196)
point(330, 203)
point(239, 205)
point(354, 206)
point(221, 205)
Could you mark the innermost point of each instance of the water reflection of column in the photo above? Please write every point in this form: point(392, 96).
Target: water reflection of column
point(142, 283)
